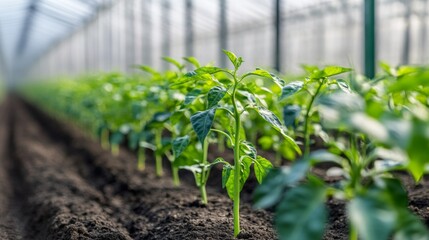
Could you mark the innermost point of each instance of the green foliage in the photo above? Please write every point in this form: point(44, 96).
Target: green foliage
point(381, 127)
point(367, 128)
point(238, 98)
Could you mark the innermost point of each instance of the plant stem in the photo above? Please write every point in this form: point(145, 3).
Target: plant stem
point(278, 158)
point(203, 180)
point(237, 166)
point(307, 120)
point(141, 159)
point(221, 143)
point(353, 234)
point(158, 156)
point(175, 174)
point(115, 149)
point(203, 194)
point(104, 138)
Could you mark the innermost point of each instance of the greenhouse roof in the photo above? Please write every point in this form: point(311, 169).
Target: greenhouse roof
point(28, 27)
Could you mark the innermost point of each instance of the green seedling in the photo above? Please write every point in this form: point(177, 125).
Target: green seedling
point(233, 97)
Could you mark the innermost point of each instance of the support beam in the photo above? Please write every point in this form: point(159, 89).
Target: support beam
point(189, 28)
point(318, 15)
point(405, 58)
point(3, 65)
point(91, 3)
point(55, 16)
point(278, 35)
point(370, 38)
point(166, 34)
point(130, 34)
point(147, 32)
point(423, 31)
point(25, 32)
point(108, 31)
point(223, 33)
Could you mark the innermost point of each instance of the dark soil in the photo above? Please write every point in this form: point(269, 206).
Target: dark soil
point(57, 183)
point(65, 186)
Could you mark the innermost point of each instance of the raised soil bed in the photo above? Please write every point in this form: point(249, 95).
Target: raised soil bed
point(58, 183)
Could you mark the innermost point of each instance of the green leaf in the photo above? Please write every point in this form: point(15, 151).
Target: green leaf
point(244, 174)
point(417, 149)
point(410, 79)
point(343, 86)
point(266, 142)
point(226, 173)
point(147, 145)
point(177, 116)
point(236, 61)
point(248, 149)
point(149, 70)
point(116, 138)
point(386, 68)
point(202, 122)
point(193, 168)
point(271, 118)
point(277, 180)
point(192, 61)
point(371, 217)
point(321, 155)
point(261, 167)
point(302, 214)
point(161, 117)
point(385, 204)
point(406, 70)
point(133, 140)
point(290, 114)
point(174, 62)
point(215, 95)
point(274, 121)
point(310, 68)
point(263, 73)
point(291, 89)
point(191, 96)
point(330, 71)
point(410, 227)
point(208, 70)
point(179, 145)
point(250, 97)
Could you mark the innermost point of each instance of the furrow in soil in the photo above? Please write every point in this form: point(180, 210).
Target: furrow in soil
point(11, 200)
point(147, 207)
point(59, 202)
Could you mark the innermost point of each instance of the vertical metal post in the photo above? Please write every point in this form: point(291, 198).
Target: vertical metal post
point(370, 38)
point(109, 39)
point(348, 32)
point(423, 32)
point(86, 49)
point(189, 28)
point(166, 32)
point(223, 32)
point(405, 59)
point(96, 42)
point(130, 33)
point(147, 32)
point(277, 37)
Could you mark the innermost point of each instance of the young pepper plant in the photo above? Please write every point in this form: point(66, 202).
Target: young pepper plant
point(166, 100)
point(314, 85)
point(190, 153)
point(163, 101)
point(233, 97)
point(375, 200)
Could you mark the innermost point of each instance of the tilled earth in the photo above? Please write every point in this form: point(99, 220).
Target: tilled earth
point(57, 183)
